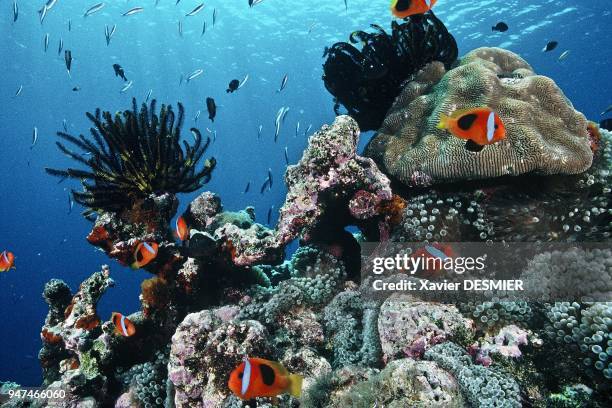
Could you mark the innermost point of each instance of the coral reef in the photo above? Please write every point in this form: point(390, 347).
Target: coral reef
point(134, 156)
point(545, 134)
point(482, 386)
point(367, 81)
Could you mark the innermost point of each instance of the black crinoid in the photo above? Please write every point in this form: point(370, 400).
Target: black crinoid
point(133, 154)
point(366, 82)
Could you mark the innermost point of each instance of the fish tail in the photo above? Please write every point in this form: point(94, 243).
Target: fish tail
point(295, 385)
point(443, 124)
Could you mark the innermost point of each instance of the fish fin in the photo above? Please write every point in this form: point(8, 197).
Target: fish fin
point(295, 385)
point(443, 124)
point(472, 146)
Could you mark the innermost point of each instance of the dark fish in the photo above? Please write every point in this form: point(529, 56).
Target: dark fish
point(247, 188)
point(270, 214)
point(265, 185)
point(283, 83)
point(15, 11)
point(233, 86)
point(119, 72)
point(501, 27)
point(76, 88)
point(606, 124)
point(69, 25)
point(212, 108)
point(550, 46)
point(196, 10)
point(68, 59)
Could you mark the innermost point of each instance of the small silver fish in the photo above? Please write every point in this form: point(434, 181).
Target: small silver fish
point(60, 48)
point(69, 25)
point(181, 80)
point(94, 9)
point(180, 28)
point(270, 177)
point(43, 13)
point(148, 95)
point(247, 188)
point(196, 10)
point(283, 83)
point(346, 5)
point(270, 214)
point(46, 42)
point(607, 110)
point(133, 11)
point(564, 55)
point(195, 74)
point(21, 89)
point(108, 33)
point(203, 29)
point(286, 156)
point(34, 137)
point(15, 11)
point(308, 130)
point(312, 26)
point(65, 125)
point(197, 115)
point(259, 131)
point(297, 128)
point(70, 203)
point(127, 86)
point(214, 17)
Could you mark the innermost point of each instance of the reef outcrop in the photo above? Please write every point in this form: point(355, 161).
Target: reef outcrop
point(545, 134)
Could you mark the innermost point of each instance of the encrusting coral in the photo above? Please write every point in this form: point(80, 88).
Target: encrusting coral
point(545, 134)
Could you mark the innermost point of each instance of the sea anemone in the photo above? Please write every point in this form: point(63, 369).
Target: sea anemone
point(366, 82)
point(134, 154)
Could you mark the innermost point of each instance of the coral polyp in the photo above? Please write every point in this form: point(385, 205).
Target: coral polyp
point(133, 154)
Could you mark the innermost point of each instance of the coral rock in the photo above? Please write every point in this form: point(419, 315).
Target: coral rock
point(545, 134)
point(408, 328)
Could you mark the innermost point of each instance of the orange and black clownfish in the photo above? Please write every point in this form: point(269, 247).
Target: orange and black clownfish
point(7, 261)
point(405, 8)
point(144, 254)
point(479, 126)
point(123, 326)
point(181, 229)
point(434, 256)
point(256, 377)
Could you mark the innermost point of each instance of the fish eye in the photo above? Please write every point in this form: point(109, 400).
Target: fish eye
point(240, 375)
point(496, 126)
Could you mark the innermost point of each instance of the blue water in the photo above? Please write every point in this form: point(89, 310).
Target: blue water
point(266, 43)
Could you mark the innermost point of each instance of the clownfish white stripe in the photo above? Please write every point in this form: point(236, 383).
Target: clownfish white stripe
point(123, 327)
point(4, 257)
point(149, 248)
point(246, 376)
point(491, 126)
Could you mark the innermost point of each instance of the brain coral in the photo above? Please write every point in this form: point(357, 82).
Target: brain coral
point(545, 134)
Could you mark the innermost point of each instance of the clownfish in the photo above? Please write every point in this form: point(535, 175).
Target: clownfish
point(434, 256)
point(256, 377)
point(405, 8)
point(479, 126)
point(144, 254)
point(123, 325)
point(181, 229)
point(7, 261)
